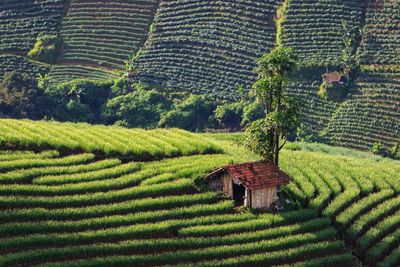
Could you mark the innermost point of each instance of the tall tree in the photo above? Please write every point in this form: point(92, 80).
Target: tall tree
point(264, 136)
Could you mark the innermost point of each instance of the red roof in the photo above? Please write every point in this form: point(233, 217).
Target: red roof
point(332, 77)
point(255, 175)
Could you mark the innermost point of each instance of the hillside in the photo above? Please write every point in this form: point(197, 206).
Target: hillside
point(211, 47)
point(64, 203)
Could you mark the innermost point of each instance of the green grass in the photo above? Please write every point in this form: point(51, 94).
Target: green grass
point(89, 208)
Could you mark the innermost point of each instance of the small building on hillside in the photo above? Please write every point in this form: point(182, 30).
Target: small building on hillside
point(255, 184)
point(334, 78)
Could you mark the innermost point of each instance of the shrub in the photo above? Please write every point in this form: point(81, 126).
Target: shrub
point(192, 114)
point(20, 96)
point(229, 115)
point(79, 100)
point(140, 108)
point(46, 48)
point(378, 148)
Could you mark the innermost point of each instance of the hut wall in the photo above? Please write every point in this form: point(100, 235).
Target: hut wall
point(216, 183)
point(247, 198)
point(228, 186)
point(263, 198)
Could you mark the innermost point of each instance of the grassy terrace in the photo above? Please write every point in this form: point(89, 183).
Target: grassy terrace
point(137, 144)
point(207, 46)
point(105, 33)
point(65, 73)
point(10, 62)
point(382, 33)
point(68, 209)
point(370, 114)
point(22, 21)
point(314, 28)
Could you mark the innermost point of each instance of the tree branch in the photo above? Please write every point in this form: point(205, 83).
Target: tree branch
point(284, 142)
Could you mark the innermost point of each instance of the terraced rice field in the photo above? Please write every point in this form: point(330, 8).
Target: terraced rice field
point(315, 111)
point(137, 144)
point(314, 28)
point(23, 20)
point(207, 46)
point(381, 43)
point(63, 209)
point(371, 113)
point(65, 73)
point(105, 33)
point(10, 63)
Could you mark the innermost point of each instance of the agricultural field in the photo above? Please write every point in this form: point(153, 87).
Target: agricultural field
point(207, 46)
point(10, 63)
point(314, 29)
point(65, 73)
point(23, 20)
point(64, 203)
point(105, 33)
point(380, 44)
point(371, 113)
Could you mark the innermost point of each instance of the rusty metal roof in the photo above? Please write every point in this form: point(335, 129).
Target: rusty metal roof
point(255, 175)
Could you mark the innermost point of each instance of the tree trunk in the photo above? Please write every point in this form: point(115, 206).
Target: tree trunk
point(276, 139)
point(277, 148)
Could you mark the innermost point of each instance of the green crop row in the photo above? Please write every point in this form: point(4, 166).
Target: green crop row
point(362, 224)
point(29, 155)
point(72, 137)
point(383, 246)
point(341, 201)
point(392, 260)
point(98, 198)
point(165, 228)
point(165, 244)
point(256, 224)
point(347, 216)
point(272, 251)
point(378, 231)
point(103, 174)
point(42, 162)
point(189, 210)
point(25, 175)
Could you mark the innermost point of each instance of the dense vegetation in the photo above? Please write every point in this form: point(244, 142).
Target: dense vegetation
point(207, 47)
point(314, 29)
point(105, 33)
point(61, 209)
point(21, 22)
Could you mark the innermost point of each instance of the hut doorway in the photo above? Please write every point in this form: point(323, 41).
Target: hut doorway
point(238, 193)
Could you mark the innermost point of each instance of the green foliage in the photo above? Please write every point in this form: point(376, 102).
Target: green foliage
point(20, 96)
point(192, 114)
point(140, 108)
point(378, 148)
point(281, 110)
point(252, 111)
point(46, 48)
point(120, 87)
point(229, 115)
point(79, 100)
point(334, 92)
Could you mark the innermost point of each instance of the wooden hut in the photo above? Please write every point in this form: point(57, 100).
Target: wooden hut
point(255, 184)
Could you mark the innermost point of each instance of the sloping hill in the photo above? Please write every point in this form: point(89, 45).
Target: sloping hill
point(314, 29)
point(380, 44)
point(10, 63)
point(61, 209)
point(24, 20)
point(21, 22)
point(211, 47)
point(104, 33)
point(371, 113)
point(207, 46)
